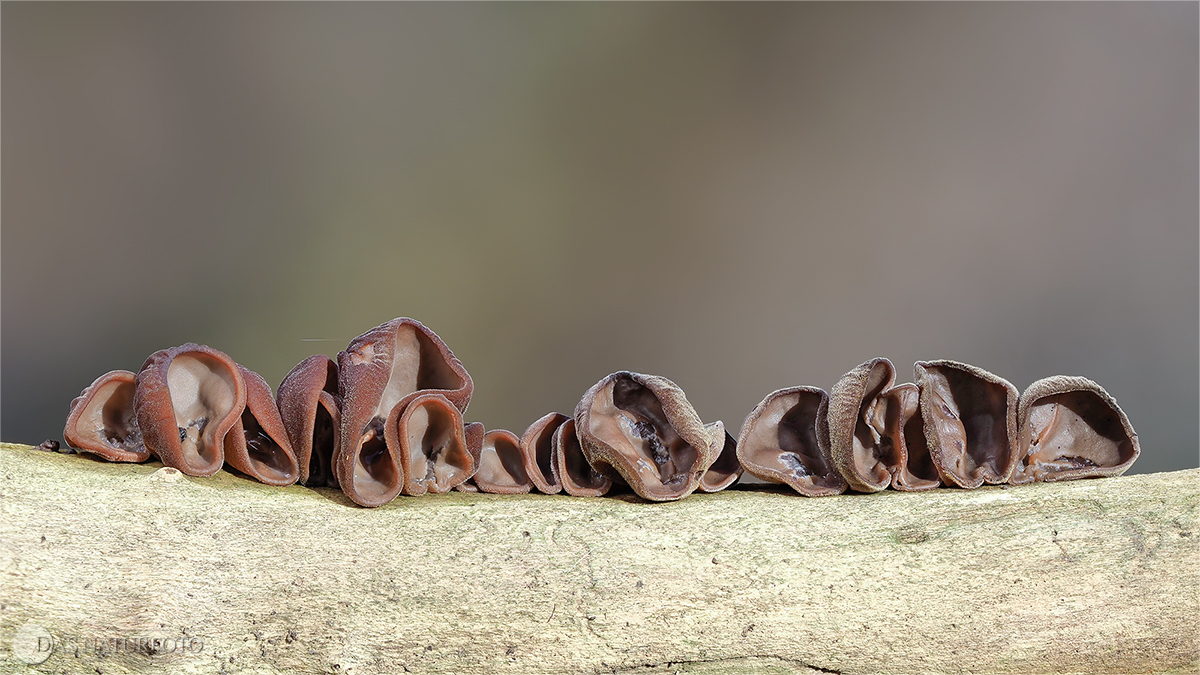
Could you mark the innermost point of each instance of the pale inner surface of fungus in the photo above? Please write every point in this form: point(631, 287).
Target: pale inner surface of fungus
point(872, 450)
point(783, 441)
point(970, 417)
point(1073, 430)
point(111, 416)
point(265, 453)
point(320, 461)
point(726, 463)
point(417, 364)
point(203, 391)
point(375, 471)
point(575, 471)
point(436, 458)
point(902, 422)
point(542, 448)
point(629, 418)
point(501, 463)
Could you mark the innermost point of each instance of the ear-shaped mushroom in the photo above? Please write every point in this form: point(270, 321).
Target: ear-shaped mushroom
point(433, 447)
point(1071, 428)
point(862, 453)
point(785, 439)
point(502, 465)
point(970, 420)
point(571, 468)
point(473, 435)
point(902, 423)
point(538, 445)
point(726, 469)
point(309, 409)
point(187, 398)
point(103, 421)
point(379, 373)
point(258, 445)
point(642, 428)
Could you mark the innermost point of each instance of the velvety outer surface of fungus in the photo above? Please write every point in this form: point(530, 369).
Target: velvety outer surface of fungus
point(187, 398)
point(103, 420)
point(726, 470)
point(538, 445)
point(642, 428)
point(1070, 427)
point(970, 420)
point(258, 444)
point(785, 439)
point(860, 448)
point(309, 406)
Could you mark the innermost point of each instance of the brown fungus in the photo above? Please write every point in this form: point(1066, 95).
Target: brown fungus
point(726, 469)
point(258, 443)
point(785, 439)
point(103, 420)
point(309, 408)
point(538, 445)
point(903, 425)
point(434, 456)
point(970, 418)
point(642, 428)
point(187, 399)
point(379, 373)
point(502, 465)
point(1071, 428)
point(473, 436)
point(858, 444)
point(571, 468)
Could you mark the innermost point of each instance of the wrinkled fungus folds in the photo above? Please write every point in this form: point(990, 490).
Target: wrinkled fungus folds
point(1070, 427)
point(187, 400)
point(862, 452)
point(538, 445)
point(785, 439)
point(642, 428)
point(103, 420)
point(726, 470)
point(970, 422)
point(571, 468)
point(903, 425)
point(258, 444)
point(308, 406)
point(433, 448)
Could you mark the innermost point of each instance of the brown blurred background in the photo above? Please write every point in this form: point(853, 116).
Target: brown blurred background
point(738, 197)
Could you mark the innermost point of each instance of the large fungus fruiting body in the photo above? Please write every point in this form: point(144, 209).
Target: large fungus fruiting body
point(434, 454)
point(785, 439)
point(380, 373)
point(861, 449)
point(187, 399)
point(103, 420)
point(905, 429)
point(970, 420)
point(502, 465)
point(309, 407)
point(537, 445)
point(642, 428)
point(571, 468)
point(1070, 427)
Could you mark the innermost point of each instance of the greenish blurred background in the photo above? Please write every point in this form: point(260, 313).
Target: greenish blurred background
point(737, 197)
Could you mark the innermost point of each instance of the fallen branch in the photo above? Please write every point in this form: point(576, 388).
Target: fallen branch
point(132, 568)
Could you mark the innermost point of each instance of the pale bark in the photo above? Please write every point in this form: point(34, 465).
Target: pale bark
point(1080, 577)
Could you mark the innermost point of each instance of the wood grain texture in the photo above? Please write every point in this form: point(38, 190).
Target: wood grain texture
point(1088, 576)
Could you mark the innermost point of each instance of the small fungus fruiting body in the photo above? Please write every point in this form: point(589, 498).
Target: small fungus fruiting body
point(385, 419)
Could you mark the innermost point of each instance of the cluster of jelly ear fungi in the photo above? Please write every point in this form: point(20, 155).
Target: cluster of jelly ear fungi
point(386, 418)
point(958, 426)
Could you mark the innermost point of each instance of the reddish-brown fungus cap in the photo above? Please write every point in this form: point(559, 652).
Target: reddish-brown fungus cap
point(861, 451)
point(433, 448)
point(473, 435)
point(308, 406)
point(187, 398)
point(642, 428)
point(502, 465)
point(1071, 428)
point(258, 444)
point(538, 445)
point(785, 439)
point(903, 424)
point(970, 420)
point(571, 468)
point(727, 469)
point(103, 420)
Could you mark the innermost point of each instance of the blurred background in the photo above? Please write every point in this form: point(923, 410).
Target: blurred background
point(737, 197)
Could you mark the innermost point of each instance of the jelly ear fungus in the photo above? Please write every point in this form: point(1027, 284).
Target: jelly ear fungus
point(970, 418)
point(785, 439)
point(903, 425)
point(380, 372)
point(502, 465)
point(537, 443)
point(434, 456)
point(642, 428)
point(258, 444)
point(571, 468)
point(187, 399)
point(862, 451)
point(1070, 427)
point(726, 469)
point(103, 421)
point(308, 406)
